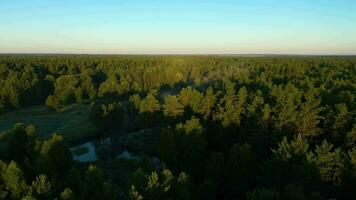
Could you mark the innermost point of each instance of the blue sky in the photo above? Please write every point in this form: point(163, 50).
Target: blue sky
point(175, 27)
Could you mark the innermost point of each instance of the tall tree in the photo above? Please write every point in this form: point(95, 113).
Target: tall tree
point(172, 107)
point(150, 104)
point(308, 116)
point(208, 103)
point(329, 161)
point(13, 185)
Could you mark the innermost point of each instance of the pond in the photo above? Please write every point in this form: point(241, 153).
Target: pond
point(92, 151)
point(89, 153)
point(127, 155)
point(87, 156)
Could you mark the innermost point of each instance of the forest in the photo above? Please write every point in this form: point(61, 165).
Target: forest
point(107, 127)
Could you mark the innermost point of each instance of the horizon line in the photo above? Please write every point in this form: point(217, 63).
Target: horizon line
point(183, 54)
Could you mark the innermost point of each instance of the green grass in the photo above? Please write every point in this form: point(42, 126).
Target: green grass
point(80, 151)
point(72, 122)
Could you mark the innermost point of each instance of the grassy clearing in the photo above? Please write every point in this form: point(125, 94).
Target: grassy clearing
point(81, 151)
point(72, 122)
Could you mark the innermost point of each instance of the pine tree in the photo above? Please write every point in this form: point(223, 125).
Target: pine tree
point(351, 137)
point(41, 186)
point(57, 157)
point(150, 104)
point(23, 143)
point(241, 104)
point(329, 161)
point(191, 126)
point(208, 103)
point(172, 107)
point(13, 184)
point(256, 104)
point(234, 108)
point(191, 97)
point(295, 149)
point(287, 101)
point(308, 116)
point(67, 194)
point(161, 185)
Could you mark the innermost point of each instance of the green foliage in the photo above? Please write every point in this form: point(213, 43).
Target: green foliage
point(23, 143)
point(108, 117)
point(49, 173)
point(163, 185)
point(263, 194)
point(241, 169)
point(94, 183)
point(308, 116)
point(290, 165)
point(352, 157)
point(208, 103)
point(297, 148)
point(109, 87)
point(294, 192)
point(96, 188)
point(287, 99)
point(217, 118)
point(13, 183)
point(136, 101)
point(172, 107)
point(41, 186)
point(191, 97)
point(150, 104)
point(67, 194)
point(342, 117)
point(190, 126)
point(73, 122)
point(56, 156)
point(183, 148)
point(256, 105)
point(234, 107)
point(74, 181)
point(266, 114)
point(134, 195)
point(351, 137)
point(53, 102)
point(329, 161)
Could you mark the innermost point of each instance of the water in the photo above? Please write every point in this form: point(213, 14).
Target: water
point(87, 157)
point(127, 155)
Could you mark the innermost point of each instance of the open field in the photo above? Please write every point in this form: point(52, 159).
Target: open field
point(72, 122)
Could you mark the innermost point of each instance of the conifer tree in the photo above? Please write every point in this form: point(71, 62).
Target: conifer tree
point(308, 116)
point(172, 107)
point(150, 104)
point(208, 103)
point(330, 162)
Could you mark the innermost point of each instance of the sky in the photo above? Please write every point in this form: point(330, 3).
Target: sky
point(178, 27)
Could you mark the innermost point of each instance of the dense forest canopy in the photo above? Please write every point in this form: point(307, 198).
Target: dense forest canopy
point(222, 127)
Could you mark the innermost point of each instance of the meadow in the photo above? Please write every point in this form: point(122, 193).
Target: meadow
point(72, 121)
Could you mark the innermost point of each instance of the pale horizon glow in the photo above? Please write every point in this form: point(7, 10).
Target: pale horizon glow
point(306, 27)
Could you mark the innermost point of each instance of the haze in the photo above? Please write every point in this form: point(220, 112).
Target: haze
point(178, 27)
